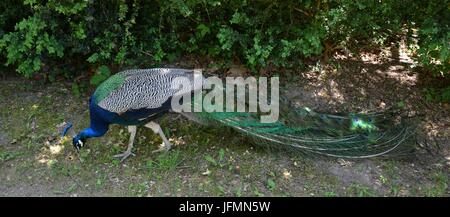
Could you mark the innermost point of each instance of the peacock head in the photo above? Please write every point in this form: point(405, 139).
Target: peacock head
point(78, 142)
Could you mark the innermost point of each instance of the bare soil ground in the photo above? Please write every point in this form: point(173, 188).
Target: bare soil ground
point(216, 161)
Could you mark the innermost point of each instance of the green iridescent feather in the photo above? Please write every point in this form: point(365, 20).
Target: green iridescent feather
point(111, 84)
point(337, 135)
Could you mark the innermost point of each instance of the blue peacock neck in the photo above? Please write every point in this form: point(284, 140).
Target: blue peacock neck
point(98, 127)
point(95, 130)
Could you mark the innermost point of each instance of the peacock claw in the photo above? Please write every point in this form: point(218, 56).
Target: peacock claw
point(165, 148)
point(159, 150)
point(124, 155)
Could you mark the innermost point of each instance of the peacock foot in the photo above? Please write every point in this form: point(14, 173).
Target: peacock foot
point(165, 148)
point(124, 155)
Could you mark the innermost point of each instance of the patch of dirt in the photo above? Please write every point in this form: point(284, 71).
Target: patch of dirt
point(364, 174)
point(3, 139)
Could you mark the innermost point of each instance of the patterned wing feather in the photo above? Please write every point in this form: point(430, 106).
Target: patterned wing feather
point(145, 88)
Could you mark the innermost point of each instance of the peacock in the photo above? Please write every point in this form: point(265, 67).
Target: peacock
point(139, 97)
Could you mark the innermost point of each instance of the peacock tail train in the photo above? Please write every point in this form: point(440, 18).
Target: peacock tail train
point(335, 135)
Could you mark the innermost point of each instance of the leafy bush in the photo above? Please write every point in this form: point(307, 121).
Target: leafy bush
point(101, 75)
point(48, 37)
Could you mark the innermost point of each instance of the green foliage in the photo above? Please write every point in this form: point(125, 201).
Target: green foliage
point(37, 36)
point(438, 95)
point(28, 43)
point(76, 90)
point(330, 194)
point(434, 37)
point(360, 190)
point(401, 104)
point(6, 156)
point(165, 162)
point(220, 162)
point(210, 159)
point(101, 74)
point(271, 185)
point(440, 185)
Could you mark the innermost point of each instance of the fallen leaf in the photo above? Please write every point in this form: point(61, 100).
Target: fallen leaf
point(287, 174)
point(207, 172)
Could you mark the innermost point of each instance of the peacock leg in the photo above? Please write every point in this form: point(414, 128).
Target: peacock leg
point(127, 153)
point(157, 129)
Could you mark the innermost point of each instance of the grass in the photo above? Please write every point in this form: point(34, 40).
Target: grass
point(440, 185)
point(59, 169)
point(330, 194)
point(361, 191)
point(9, 155)
point(167, 161)
point(205, 161)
